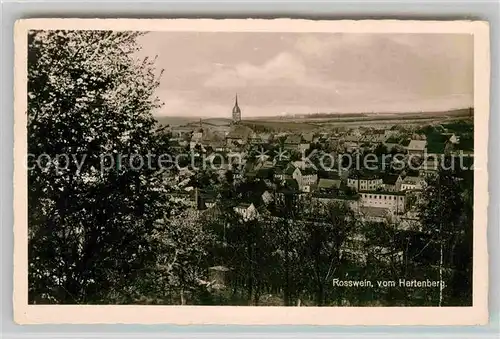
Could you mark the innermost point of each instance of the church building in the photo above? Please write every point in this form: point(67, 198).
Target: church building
point(236, 112)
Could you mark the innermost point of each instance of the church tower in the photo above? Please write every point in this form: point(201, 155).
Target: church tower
point(236, 112)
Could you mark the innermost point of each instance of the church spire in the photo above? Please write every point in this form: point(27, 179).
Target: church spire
point(236, 111)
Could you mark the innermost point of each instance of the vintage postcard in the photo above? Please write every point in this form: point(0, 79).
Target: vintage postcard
point(198, 171)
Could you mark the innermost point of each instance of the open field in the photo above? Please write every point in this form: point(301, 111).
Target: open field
point(323, 117)
point(321, 122)
point(352, 121)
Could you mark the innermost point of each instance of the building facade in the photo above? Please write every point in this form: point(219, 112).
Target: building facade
point(393, 201)
point(364, 183)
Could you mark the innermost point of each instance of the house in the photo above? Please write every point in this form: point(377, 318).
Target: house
point(247, 211)
point(306, 179)
point(374, 136)
point(255, 139)
point(266, 138)
point(356, 132)
point(218, 145)
point(198, 147)
point(291, 172)
point(292, 142)
point(392, 182)
point(303, 147)
point(350, 146)
point(308, 137)
point(296, 174)
point(394, 201)
point(417, 147)
point(266, 164)
point(181, 132)
point(266, 197)
point(333, 144)
point(390, 133)
point(364, 182)
point(279, 173)
point(374, 214)
point(239, 135)
point(412, 183)
point(328, 185)
point(353, 138)
point(324, 199)
point(300, 164)
point(197, 135)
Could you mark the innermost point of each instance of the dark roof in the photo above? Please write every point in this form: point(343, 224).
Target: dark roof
point(278, 170)
point(364, 176)
point(281, 164)
point(244, 205)
point(328, 183)
point(293, 139)
point(290, 169)
point(383, 193)
point(308, 171)
point(291, 184)
point(390, 179)
point(377, 212)
point(240, 132)
point(329, 175)
point(263, 173)
point(308, 137)
point(335, 196)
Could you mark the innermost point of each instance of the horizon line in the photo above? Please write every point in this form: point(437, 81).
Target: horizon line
point(280, 115)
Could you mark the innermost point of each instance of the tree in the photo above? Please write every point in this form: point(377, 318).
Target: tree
point(446, 215)
point(182, 261)
point(380, 150)
point(326, 238)
point(93, 205)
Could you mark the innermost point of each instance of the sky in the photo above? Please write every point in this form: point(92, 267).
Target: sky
point(300, 73)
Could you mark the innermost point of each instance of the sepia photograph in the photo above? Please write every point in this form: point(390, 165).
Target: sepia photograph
point(300, 169)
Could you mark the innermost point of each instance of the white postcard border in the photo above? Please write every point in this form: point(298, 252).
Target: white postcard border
point(240, 315)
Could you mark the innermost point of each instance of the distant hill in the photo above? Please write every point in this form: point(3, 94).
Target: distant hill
point(176, 121)
point(339, 115)
point(182, 121)
point(217, 121)
point(313, 121)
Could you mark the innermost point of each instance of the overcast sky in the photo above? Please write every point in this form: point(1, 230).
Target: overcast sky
point(276, 73)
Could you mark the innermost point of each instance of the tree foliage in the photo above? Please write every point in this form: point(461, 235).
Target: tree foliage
point(90, 220)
